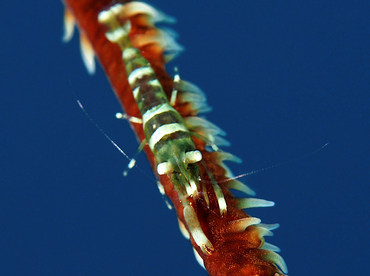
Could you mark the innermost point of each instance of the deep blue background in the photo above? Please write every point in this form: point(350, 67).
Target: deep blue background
point(283, 77)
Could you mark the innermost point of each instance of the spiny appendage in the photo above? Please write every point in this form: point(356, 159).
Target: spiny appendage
point(253, 226)
point(196, 231)
point(249, 227)
point(189, 93)
point(69, 25)
point(209, 131)
point(87, 51)
point(254, 231)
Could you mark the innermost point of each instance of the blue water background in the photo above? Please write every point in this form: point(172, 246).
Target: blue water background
point(283, 78)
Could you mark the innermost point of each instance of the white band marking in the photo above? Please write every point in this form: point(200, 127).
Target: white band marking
point(163, 131)
point(155, 111)
point(139, 73)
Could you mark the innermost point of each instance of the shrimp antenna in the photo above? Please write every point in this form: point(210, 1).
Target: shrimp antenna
point(274, 166)
point(102, 131)
point(109, 139)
